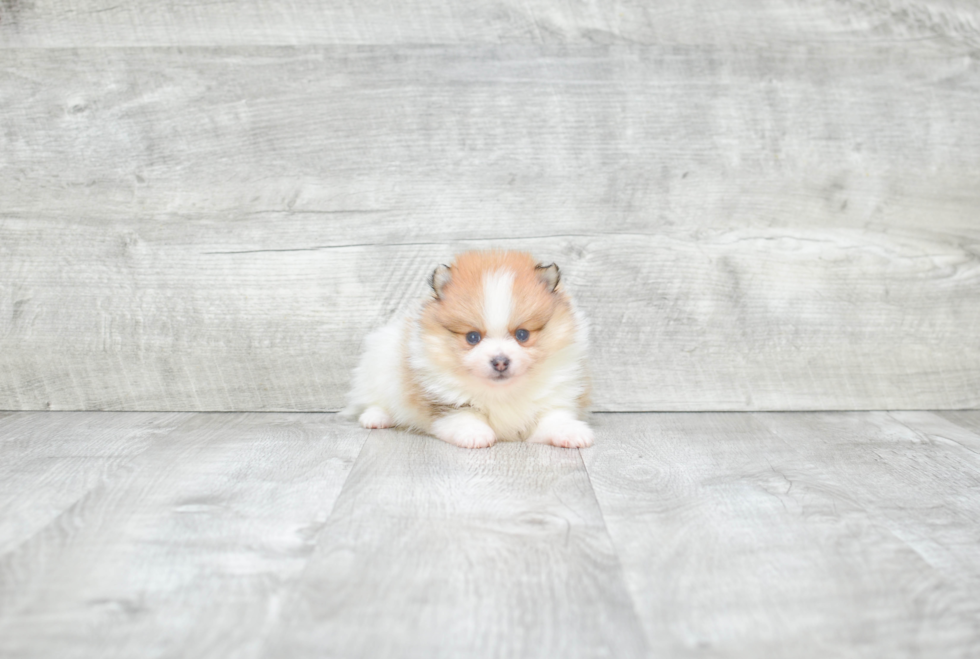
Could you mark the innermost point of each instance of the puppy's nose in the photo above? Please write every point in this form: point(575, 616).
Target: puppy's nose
point(500, 363)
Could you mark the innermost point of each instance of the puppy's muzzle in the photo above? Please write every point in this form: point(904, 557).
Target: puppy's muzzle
point(500, 363)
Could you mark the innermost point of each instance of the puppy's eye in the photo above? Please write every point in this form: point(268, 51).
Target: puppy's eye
point(522, 335)
point(473, 338)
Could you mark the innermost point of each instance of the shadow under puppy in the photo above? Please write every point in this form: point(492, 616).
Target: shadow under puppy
point(497, 353)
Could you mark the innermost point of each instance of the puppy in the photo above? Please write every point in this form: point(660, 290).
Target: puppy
point(496, 353)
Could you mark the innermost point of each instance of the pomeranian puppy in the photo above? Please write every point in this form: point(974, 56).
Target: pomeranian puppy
point(496, 353)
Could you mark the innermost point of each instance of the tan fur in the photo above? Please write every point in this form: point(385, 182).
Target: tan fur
point(414, 394)
point(460, 307)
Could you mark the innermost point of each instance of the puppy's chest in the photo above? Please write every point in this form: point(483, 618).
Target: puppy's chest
point(511, 422)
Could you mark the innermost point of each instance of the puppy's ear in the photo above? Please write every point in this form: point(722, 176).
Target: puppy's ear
point(549, 275)
point(440, 277)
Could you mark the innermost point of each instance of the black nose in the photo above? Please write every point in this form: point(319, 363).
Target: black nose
point(500, 363)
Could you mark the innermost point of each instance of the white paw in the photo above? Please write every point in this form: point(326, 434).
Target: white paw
point(465, 430)
point(564, 430)
point(375, 417)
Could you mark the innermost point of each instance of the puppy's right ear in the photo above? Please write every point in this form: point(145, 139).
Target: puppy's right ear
point(440, 277)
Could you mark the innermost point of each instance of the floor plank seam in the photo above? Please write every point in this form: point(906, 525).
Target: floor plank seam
point(619, 560)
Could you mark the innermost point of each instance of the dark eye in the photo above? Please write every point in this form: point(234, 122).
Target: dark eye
point(522, 335)
point(473, 338)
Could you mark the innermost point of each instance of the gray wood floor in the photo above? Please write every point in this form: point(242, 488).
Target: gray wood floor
point(293, 535)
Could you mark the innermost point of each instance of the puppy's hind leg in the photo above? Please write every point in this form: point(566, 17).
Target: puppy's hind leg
point(375, 417)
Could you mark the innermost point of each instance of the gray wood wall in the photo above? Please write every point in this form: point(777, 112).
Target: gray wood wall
point(761, 204)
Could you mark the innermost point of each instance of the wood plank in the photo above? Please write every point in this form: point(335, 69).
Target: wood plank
point(48, 462)
point(959, 428)
point(436, 551)
point(639, 137)
point(83, 23)
point(791, 534)
point(185, 552)
point(216, 229)
point(725, 328)
point(918, 486)
point(969, 419)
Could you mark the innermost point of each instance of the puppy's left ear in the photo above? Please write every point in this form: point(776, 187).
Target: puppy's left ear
point(549, 275)
point(440, 277)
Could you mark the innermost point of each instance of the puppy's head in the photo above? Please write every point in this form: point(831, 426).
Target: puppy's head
point(495, 315)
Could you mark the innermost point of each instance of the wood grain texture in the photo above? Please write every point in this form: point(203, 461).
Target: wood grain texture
point(965, 418)
point(185, 551)
point(48, 463)
point(436, 551)
point(788, 227)
point(449, 138)
point(920, 487)
point(799, 535)
point(711, 535)
point(950, 427)
point(83, 23)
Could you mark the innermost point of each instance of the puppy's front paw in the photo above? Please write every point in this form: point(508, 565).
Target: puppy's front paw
point(464, 430)
point(375, 417)
point(564, 430)
point(573, 435)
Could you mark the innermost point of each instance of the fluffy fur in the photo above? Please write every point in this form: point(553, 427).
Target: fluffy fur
point(421, 371)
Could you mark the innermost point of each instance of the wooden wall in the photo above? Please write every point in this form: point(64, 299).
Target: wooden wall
point(761, 204)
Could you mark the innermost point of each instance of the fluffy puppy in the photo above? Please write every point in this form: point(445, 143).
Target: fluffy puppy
point(496, 353)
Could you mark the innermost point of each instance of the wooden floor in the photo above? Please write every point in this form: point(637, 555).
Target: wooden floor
point(290, 535)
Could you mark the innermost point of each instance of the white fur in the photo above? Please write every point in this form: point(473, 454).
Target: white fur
point(376, 417)
point(498, 303)
point(464, 429)
point(536, 405)
point(378, 379)
point(478, 360)
point(561, 428)
point(498, 307)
